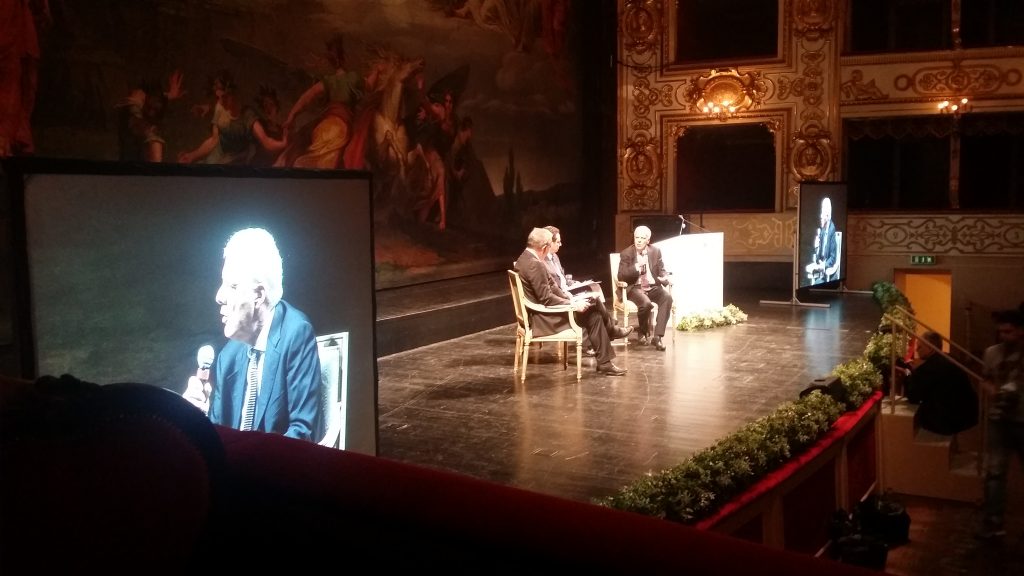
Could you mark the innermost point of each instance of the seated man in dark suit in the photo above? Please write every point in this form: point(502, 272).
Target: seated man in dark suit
point(540, 288)
point(949, 404)
point(568, 290)
point(642, 267)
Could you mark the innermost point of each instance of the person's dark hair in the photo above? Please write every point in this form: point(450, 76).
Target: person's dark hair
point(336, 50)
point(224, 77)
point(1013, 316)
point(156, 99)
point(934, 338)
point(266, 93)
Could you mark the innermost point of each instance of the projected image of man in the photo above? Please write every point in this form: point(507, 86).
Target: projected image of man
point(824, 266)
point(267, 376)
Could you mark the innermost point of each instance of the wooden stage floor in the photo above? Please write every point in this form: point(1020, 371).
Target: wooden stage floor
point(457, 406)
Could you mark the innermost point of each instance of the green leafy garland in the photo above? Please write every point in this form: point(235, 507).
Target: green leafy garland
point(713, 318)
point(698, 487)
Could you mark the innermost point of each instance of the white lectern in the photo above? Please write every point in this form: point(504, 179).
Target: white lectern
point(695, 261)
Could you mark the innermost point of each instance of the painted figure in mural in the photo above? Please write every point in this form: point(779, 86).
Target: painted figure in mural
point(268, 132)
point(435, 125)
point(139, 119)
point(230, 139)
point(19, 69)
point(458, 160)
point(380, 124)
point(322, 144)
point(516, 19)
point(427, 174)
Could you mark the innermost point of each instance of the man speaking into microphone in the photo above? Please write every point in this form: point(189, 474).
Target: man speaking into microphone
point(267, 376)
point(642, 267)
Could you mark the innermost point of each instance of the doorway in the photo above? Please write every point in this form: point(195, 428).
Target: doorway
point(931, 295)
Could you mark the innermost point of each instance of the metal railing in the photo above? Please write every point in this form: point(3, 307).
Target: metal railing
point(898, 320)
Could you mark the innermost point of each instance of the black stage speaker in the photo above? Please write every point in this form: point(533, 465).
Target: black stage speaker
point(831, 385)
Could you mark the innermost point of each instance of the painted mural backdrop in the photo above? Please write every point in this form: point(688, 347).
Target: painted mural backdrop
point(466, 111)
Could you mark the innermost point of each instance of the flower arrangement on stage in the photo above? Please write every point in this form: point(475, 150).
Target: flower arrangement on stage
point(702, 484)
point(713, 318)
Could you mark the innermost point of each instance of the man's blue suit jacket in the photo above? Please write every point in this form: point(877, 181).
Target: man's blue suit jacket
point(289, 400)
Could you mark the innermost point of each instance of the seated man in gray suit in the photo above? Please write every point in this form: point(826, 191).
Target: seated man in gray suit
point(540, 288)
point(570, 290)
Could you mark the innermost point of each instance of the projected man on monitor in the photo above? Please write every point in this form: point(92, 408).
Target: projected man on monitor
point(267, 376)
point(824, 266)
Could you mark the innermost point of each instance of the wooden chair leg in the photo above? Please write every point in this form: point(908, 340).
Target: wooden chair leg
point(519, 348)
point(526, 357)
point(579, 360)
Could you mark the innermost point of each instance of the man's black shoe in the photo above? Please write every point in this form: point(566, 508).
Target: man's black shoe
point(658, 344)
point(619, 332)
point(643, 340)
point(609, 369)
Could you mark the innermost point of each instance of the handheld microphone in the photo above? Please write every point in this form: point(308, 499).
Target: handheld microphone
point(204, 358)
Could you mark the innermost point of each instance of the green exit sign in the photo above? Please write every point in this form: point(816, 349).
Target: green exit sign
point(922, 260)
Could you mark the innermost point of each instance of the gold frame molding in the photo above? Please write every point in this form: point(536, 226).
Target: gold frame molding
point(726, 92)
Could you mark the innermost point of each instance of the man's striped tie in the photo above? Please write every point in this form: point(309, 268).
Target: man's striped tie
point(249, 406)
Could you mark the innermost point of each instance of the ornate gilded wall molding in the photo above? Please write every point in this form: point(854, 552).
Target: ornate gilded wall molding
point(726, 89)
point(796, 94)
point(641, 164)
point(812, 19)
point(857, 89)
point(1008, 53)
point(645, 96)
point(760, 235)
point(641, 29)
point(813, 154)
point(956, 78)
point(641, 25)
point(938, 234)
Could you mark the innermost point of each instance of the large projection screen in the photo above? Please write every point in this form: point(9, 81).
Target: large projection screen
point(124, 263)
point(821, 241)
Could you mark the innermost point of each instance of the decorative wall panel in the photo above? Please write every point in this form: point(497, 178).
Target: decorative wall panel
point(989, 235)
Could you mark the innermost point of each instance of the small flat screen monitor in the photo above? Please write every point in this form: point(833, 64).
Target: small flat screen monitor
point(821, 239)
point(124, 268)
